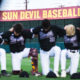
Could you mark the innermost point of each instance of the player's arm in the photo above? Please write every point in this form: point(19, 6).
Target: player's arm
point(27, 34)
point(60, 31)
point(5, 36)
point(36, 30)
point(1, 40)
point(78, 32)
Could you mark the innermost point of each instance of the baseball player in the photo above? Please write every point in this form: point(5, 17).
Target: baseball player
point(71, 42)
point(47, 35)
point(3, 59)
point(16, 41)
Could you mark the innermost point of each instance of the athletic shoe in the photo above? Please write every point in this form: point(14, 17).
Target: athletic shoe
point(51, 75)
point(36, 73)
point(24, 74)
point(67, 72)
point(75, 76)
point(4, 73)
point(63, 73)
point(56, 74)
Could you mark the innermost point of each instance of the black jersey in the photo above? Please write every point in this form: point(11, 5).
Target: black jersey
point(1, 40)
point(16, 43)
point(48, 39)
point(72, 42)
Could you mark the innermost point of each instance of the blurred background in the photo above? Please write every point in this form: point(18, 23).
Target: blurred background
point(36, 4)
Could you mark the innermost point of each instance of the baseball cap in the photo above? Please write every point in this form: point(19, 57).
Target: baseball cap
point(24, 74)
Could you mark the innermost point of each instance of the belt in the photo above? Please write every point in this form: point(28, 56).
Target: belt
point(74, 51)
point(16, 51)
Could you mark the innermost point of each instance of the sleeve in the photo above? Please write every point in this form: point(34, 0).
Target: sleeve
point(59, 31)
point(3, 36)
point(36, 30)
point(78, 34)
point(27, 34)
point(1, 40)
point(6, 35)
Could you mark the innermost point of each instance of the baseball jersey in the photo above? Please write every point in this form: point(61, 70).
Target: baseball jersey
point(72, 42)
point(1, 40)
point(47, 39)
point(16, 43)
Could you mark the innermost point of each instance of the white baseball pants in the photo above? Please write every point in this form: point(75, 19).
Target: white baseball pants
point(3, 59)
point(74, 60)
point(17, 58)
point(45, 59)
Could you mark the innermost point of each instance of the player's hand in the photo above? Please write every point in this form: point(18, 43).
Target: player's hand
point(65, 28)
point(35, 36)
point(78, 28)
point(11, 29)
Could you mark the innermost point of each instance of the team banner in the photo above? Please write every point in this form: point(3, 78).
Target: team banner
point(39, 14)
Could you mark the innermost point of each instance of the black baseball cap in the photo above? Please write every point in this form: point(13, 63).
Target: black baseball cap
point(24, 74)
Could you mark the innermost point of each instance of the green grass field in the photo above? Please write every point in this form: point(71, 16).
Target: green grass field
point(26, 65)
